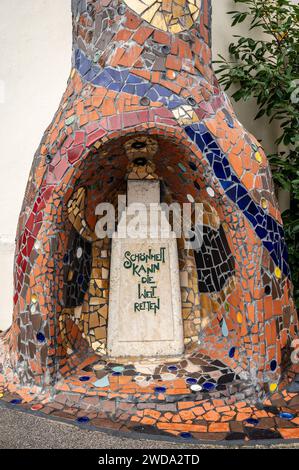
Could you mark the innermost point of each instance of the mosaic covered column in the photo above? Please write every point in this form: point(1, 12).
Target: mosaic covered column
point(142, 85)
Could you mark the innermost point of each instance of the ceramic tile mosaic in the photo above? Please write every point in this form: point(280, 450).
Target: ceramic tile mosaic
point(142, 102)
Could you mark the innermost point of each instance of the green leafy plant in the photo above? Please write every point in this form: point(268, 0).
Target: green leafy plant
point(265, 66)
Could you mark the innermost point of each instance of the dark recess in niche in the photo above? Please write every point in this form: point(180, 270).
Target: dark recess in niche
point(77, 286)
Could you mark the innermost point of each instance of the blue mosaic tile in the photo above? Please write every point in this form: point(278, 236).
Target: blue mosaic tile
point(129, 89)
point(232, 352)
point(186, 435)
point(191, 381)
point(103, 79)
point(102, 383)
point(83, 419)
point(229, 119)
point(182, 167)
point(160, 389)
point(118, 369)
point(133, 79)
point(115, 74)
point(273, 365)
point(16, 401)
point(174, 102)
point(115, 86)
point(252, 421)
point(224, 328)
point(208, 386)
point(142, 89)
point(125, 81)
point(40, 337)
point(287, 416)
point(91, 75)
point(162, 91)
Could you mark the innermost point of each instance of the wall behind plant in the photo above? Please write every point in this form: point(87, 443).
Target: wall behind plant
point(35, 52)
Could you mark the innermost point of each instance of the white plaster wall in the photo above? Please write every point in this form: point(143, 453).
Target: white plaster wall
point(35, 52)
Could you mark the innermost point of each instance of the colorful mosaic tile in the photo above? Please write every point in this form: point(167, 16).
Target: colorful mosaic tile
point(142, 103)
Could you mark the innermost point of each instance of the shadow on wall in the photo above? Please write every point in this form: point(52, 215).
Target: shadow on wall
point(245, 111)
